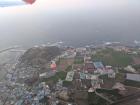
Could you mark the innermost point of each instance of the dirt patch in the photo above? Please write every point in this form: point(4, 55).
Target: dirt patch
point(136, 61)
point(64, 63)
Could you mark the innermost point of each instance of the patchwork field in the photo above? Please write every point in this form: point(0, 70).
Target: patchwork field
point(115, 58)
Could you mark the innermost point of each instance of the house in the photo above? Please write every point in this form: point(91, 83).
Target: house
point(98, 65)
point(87, 59)
point(111, 73)
point(89, 67)
point(78, 67)
point(81, 50)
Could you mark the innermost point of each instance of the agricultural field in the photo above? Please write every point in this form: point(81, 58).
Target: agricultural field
point(78, 61)
point(110, 82)
point(113, 58)
point(64, 63)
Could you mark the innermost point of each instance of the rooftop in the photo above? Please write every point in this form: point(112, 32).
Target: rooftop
point(98, 65)
point(134, 77)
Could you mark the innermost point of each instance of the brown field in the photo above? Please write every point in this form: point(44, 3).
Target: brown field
point(64, 63)
point(136, 60)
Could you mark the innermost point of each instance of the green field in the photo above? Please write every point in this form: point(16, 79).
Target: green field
point(132, 83)
point(78, 61)
point(59, 75)
point(113, 58)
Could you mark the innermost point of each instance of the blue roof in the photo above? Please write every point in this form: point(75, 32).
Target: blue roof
point(98, 65)
point(7, 3)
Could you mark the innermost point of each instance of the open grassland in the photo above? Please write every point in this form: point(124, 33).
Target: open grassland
point(113, 58)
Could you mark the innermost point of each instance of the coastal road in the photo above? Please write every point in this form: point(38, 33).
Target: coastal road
point(7, 49)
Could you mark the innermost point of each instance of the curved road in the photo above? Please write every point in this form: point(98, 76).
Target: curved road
point(1, 51)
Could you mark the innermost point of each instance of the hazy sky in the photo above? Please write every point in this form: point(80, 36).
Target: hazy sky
point(72, 21)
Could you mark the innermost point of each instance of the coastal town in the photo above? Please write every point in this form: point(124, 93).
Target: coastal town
point(106, 74)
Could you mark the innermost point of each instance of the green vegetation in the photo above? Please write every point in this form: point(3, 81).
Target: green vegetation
point(120, 77)
point(59, 75)
point(58, 61)
point(67, 83)
point(78, 61)
point(65, 63)
point(68, 68)
point(93, 99)
point(113, 58)
point(132, 83)
point(104, 77)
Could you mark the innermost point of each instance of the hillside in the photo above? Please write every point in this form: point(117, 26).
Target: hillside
point(39, 56)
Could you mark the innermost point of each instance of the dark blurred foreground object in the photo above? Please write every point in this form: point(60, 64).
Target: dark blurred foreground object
point(8, 3)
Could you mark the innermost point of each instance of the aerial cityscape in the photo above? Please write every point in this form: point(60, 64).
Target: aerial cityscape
point(74, 52)
point(105, 74)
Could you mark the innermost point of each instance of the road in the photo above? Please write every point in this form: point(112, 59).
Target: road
point(7, 49)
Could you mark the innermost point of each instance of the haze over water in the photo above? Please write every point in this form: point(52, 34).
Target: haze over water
point(76, 22)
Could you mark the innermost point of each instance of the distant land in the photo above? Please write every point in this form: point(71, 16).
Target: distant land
point(80, 43)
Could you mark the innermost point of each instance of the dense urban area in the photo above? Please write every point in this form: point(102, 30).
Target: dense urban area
point(104, 74)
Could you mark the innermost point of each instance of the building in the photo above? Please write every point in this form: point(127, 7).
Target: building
point(98, 65)
point(87, 59)
point(133, 77)
point(130, 69)
point(89, 67)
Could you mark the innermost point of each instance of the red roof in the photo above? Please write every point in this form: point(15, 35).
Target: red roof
point(29, 1)
point(89, 67)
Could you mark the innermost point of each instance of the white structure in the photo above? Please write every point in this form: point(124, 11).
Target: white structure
point(111, 73)
point(69, 76)
point(133, 77)
point(130, 69)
